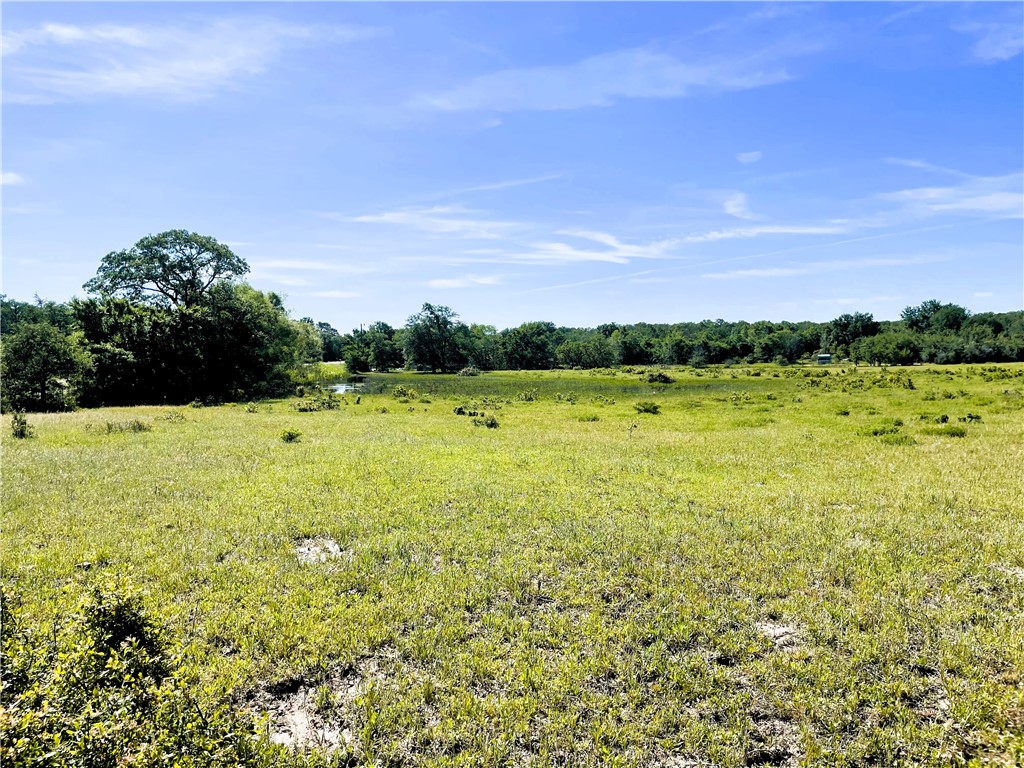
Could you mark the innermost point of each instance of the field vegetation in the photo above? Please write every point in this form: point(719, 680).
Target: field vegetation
point(721, 566)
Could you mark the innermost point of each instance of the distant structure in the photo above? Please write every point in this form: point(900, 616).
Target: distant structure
point(824, 359)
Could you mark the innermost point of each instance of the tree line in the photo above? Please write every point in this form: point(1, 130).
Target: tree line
point(169, 321)
point(435, 339)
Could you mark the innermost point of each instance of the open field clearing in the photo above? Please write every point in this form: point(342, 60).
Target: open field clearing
point(781, 566)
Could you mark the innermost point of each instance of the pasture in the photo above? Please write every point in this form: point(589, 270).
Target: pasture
point(782, 566)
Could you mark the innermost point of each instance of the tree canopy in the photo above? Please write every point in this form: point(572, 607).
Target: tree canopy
point(175, 267)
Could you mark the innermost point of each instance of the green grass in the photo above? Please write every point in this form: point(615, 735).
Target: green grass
point(747, 577)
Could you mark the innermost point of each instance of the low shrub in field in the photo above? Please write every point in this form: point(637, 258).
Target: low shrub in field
point(486, 421)
point(20, 428)
point(115, 427)
point(659, 377)
point(403, 392)
point(566, 397)
point(527, 396)
point(646, 406)
point(291, 435)
point(947, 430)
point(321, 401)
point(100, 688)
point(588, 417)
point(469, 370)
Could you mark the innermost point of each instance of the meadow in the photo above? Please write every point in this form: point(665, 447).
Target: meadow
point(756, 565)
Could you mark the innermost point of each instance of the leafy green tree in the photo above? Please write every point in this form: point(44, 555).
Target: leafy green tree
point(383, 351)
point(175, 267)
point(331, 342)
point(529, 346)
point(846, 329)
point(41, 369)
point(432, 339)
point(596, 352)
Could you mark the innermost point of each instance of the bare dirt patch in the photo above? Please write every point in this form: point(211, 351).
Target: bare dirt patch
point(1010, 570)
point(774, 742)
point(319, 549)
point(783, 636)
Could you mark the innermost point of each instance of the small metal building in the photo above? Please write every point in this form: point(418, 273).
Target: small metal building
point(824, 359)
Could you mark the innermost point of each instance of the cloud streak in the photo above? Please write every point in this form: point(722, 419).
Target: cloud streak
point(441, 220)
point(10, 179)
point(62, 62)
point(604, 79)
point(818, 267)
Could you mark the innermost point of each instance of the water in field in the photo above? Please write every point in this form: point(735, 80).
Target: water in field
point(343, 388)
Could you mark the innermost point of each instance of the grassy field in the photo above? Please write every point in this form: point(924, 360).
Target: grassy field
point(784, 566)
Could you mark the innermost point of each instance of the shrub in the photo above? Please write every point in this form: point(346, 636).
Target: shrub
point(486, 421)
point(291, 435)
point(566, 397)
point(843, 412)
point(100, 688)
point(469, 370)
point(117, 427)
point(527, 396)
point(659, 377)
point(321, 401)
point(588, 417)
point(646, 406)
point(947, 430)
point(20, 427)
point(402, 391)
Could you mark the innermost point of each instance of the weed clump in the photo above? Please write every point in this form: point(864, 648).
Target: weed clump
point(117, 427)
point(469, 370)
point(527, 396)
point(646, 406)
point(486, 421)
point(659, 377)
point(100, 687)
point(947, 430)
point(20, 428)
point(320, 401)
point(291, 435)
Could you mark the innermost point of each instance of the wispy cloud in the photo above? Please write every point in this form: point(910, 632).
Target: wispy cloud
point(614, 251)
point(819, 267)
point(748, 157)
point(335, 294)
point(983, 294)
point(63, 62)
point(767, 229)
point(989, 196)
point(924, 166)
point(497, 185)
point(996, 40)
point(468, 281)
point(308, 265)
point(736, 205)
point(9, 178)
point(601, 80)
point(442, 220)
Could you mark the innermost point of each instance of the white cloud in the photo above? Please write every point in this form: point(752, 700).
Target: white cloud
point(441, 220)
point(467, 281)
point(8, 178)
point(922, 165)
point(748, 157)
point(983, 294)
point(310, 265)
point(601, 80)
point(335, 294)
point(767, 229)
point(62, 62)
point(818, 267)
point(997, 41)
point(736, 205)
point(995, 196)
point(615, 251)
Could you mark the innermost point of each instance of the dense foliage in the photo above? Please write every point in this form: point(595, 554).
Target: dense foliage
point(102, 689)
point(169, 325)
point(434, 339)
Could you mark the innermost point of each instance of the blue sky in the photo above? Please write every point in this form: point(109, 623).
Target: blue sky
point(579, 163)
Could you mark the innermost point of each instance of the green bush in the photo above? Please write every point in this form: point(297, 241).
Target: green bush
point(100, 688)
point(486, 421)
point(291, 435)
point(20, 427)
point(646, 406)
point(948, 430)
